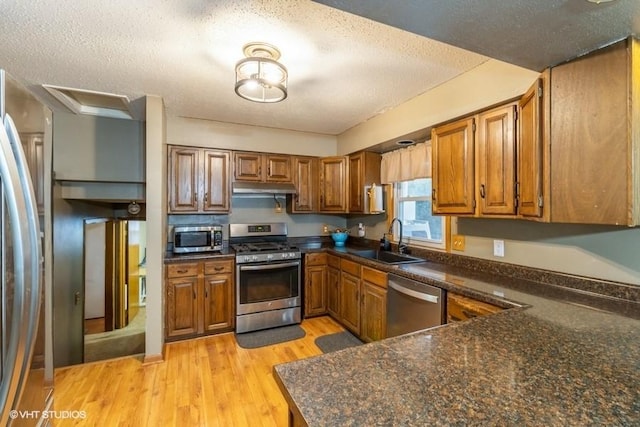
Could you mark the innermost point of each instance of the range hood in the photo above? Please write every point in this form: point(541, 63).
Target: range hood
point(263, 188)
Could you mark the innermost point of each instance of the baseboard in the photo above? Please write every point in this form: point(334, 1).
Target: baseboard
point(150, 359)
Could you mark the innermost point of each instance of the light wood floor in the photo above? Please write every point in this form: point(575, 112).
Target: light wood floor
point(202, 382)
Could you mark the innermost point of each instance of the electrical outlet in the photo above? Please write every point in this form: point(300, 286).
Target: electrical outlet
point(325, 229)
point(458, 242)
point(498, 248)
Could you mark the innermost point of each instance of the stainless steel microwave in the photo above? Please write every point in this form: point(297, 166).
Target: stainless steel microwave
point(197, 238)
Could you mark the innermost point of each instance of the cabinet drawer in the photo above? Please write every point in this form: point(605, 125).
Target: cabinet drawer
point(350, 267)
point(218, 267)
point(182, 270)
point(376, 277)
point(316, 259)
point(333, 261)
point(461, 308)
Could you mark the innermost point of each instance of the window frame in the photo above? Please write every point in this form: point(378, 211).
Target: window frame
point(394, 190)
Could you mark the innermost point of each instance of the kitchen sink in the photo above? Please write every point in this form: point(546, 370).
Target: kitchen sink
point(387, 257)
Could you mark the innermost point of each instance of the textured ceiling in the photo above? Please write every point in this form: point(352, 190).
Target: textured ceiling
point(343, 69)
point(531, 34)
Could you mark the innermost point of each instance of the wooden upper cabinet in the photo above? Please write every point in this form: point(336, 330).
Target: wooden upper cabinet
point(530, 151)
point(184, 167)
point(305, 174)
point(261, 167)
point(496, 161)
point(333, 184)
point(247, 166)
point(198, 180)
point(364, 170)
point(216, 181)
point(278, 168)
point(453, 168)
point(595, 137)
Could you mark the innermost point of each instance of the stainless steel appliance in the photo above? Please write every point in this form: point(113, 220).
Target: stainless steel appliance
point(268, 276)
point(26, 375)
point(197, 238)
point(412, 306)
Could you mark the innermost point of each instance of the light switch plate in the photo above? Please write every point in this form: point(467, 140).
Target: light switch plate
point(458, 242)
point(498, 248)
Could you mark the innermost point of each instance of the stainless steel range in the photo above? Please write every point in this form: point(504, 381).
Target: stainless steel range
point(268, 276)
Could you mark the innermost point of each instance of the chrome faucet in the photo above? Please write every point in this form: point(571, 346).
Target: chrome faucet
point(401, 247)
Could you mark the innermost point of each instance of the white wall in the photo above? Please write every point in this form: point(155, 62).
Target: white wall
point(212, 134)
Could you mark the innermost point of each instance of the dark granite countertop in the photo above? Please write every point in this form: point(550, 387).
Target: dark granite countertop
point(559, 357)
point(226, 252)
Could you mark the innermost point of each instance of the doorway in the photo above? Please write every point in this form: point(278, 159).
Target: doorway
point(115, 291)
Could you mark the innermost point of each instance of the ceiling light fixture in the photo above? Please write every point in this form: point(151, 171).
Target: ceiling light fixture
point(260, 77)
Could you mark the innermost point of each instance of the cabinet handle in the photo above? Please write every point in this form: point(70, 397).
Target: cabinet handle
point(469, 314)
point(321, 200)
point(218, 268)
point(206, 196)
point(433, 194)
point(181, 271)
point(482, 193)
point(195, 196)
point(194, 294)
point(206, 293)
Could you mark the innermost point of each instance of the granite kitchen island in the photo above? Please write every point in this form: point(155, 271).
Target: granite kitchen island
point(552, 361)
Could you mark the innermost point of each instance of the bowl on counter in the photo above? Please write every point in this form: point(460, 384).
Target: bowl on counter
point(339, 237)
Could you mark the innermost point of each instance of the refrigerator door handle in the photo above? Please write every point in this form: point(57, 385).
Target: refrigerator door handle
point(25, 240)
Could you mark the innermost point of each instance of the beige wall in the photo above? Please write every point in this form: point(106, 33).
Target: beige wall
point(212, 134)
point(156, 208)
point(490, 83)
point(604, 252)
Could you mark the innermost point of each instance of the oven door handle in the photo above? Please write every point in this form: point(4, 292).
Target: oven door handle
point(269, 266)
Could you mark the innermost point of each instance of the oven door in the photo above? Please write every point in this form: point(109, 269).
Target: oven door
point(269, 286)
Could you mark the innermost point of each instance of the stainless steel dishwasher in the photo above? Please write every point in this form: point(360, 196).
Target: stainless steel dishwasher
point(412, 306)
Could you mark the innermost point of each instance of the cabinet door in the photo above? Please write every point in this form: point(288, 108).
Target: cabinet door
point(247, 166)
point(305, 176)
point(315, 302)
point(216, 181)
point(181, 306)
point(350, 302)
point(453, 168)
point(593, 128)
point(496, 161)
point(530, 154)
point(183, 179)
point(278, 168)
point(356, 184)
point(374, 312)
point(333, 184)
point(364, 169)
point(333, 292)
point(218, 311)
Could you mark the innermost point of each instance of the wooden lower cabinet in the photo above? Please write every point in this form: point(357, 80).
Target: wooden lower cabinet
point(199, 298)
point(333, 286)
point(374, 305)
point(460, 308)
point(353, 294)
point(350, 301)
point(315, 284)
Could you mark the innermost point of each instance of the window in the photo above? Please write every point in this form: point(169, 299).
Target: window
point(413, 208)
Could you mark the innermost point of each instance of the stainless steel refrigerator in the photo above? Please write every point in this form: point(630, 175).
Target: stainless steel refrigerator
point(26, 371)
